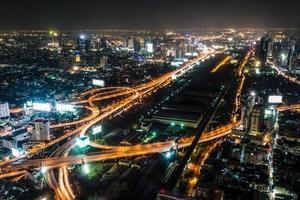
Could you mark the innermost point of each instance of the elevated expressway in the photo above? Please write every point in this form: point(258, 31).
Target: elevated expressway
point(135, 94)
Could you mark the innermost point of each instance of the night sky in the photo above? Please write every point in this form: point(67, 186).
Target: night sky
point(148, 14)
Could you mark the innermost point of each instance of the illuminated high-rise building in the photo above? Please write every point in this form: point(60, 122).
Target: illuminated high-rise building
point(265, 48)
point(257, 118)
point(103, 61)
point(245, 118)
point(83, 43)
point(77, 58)
point(4, 110)
point(130, 43)
point(136, 45)
point(100, 43)
point(149, 47)
point(41, 131)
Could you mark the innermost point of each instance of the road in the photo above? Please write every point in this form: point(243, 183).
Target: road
point(283, 74)
point(196, 167)
point(119, 151)
point(96, 115)
point(140, 91)
point(226, 60)
point(208, 136)
point(125, 151)
point(282, 108)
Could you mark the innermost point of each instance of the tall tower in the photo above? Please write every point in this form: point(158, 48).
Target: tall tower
point(42, 130)
point(265, 48)
point(83, 43)
point(257, 118)
point(103, 61)
point(130, 43)
point(4, 110)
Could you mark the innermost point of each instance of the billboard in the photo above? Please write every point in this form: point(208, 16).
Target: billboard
point(60, 107)
point(97, 129)
point(97, 82)
point(42, 106)
point(176, 63)
point(149, 47)
point(275, 99)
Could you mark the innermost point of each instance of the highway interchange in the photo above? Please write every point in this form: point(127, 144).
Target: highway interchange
point(129, 96)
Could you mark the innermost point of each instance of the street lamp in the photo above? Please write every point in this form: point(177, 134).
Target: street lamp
point(168, 154)
point(257, 63)
point(43, 169)
point(85, 168)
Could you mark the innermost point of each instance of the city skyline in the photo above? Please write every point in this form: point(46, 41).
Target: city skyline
point(149, 100)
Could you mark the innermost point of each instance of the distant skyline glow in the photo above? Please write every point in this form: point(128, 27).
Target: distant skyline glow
point(142, 14)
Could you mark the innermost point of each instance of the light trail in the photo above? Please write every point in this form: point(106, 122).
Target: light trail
point(121, 151)
point(196, 168)
point(288, 107)
point(286, 76)
point(94, 113)
point(126, 151)
point(239, 71)
point(225, 61)
point(16, 110)
point(12, 174)
point(139, 92)
point(57, 186)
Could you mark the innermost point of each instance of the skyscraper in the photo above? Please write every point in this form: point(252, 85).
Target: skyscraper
point(41, 131)
point(103, 61)
point(136, 45)
point(257, 118)
point(130, 43)
point(4, 110)
point(265, 48)
point(83, 43)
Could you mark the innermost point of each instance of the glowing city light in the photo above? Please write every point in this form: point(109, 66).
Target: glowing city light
point(83, 141)
point(43, 169)
point(168, 154)
point(97, 82)
point(42, 106)
point(283, 56)
point(82, 36)
point(275, 99)
point(85, 168)
point(97, 129)
point(60, 107)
